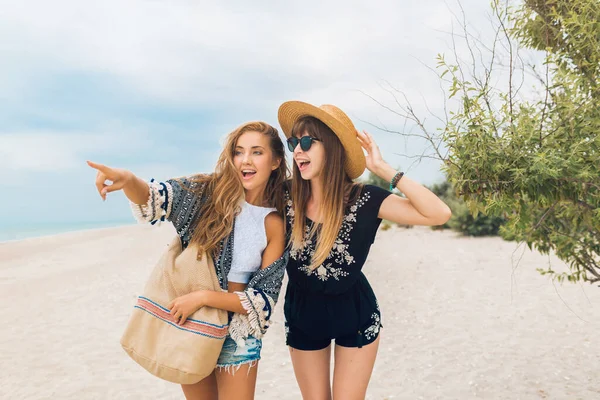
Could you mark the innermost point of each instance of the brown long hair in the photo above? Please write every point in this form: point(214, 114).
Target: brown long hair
point(224, 189)
point(336, 194)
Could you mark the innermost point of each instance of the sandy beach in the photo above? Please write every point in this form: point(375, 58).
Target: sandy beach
point(461, 320)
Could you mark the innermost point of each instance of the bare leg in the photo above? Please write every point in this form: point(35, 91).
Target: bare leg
point(206, 389)
point(237, 384)
point(312, 372)
point(352, 370)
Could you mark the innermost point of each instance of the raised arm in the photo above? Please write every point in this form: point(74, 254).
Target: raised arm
point(420, 207)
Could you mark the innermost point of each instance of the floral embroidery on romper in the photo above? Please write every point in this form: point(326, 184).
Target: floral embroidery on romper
point(373, 329)
point(339, 253)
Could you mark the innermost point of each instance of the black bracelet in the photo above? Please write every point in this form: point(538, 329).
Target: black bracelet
point(395, 180)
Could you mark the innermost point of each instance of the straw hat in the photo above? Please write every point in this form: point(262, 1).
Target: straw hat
point(337, 121)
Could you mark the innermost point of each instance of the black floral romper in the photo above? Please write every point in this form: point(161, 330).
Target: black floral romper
point(335, 301)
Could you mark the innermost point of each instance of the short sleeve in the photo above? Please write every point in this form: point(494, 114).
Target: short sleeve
point(376, 196)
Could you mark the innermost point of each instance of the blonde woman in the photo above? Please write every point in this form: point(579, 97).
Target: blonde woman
point(234, 214)
point(331, 223)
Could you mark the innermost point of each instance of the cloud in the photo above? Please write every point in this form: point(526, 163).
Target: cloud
point(41, 151)
point(206, 52)
point(154, 86)
point(47, 151)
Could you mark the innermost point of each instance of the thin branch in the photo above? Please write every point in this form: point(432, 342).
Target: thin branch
point(382, 105)
point(419, 157)
point(464, 26)
point(545, 102)
point(383, 129)
point(548, 211)
point(440, 80)
point(515, 266)
point(511, 58)
point(565, 303)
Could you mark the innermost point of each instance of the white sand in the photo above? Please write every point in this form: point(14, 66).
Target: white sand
point(459, 322)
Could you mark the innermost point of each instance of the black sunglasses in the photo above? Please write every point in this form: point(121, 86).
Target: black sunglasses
point(305, 142)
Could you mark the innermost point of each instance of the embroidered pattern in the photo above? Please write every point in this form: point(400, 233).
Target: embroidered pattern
point(290, 211)
point(325, 271)
point(339, 253)
point(287, 329)
point(373, 330)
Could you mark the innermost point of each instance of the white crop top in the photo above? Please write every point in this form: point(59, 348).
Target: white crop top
point(250, 242)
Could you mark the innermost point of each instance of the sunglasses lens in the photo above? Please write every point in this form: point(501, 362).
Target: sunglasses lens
point(305, 143)
point(292, 143)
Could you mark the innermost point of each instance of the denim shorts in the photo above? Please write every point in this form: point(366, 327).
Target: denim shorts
point(234, 356)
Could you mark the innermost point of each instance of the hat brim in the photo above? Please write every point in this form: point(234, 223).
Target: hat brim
point(291, 111)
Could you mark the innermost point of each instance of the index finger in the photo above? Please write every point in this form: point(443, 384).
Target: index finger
point(99, 167)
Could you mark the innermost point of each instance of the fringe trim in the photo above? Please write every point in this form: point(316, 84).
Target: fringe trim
point(169, 196)
point(154, 210)
point(233, 368)
point(255, 322)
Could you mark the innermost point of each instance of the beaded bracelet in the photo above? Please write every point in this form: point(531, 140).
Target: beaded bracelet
point(395, 180)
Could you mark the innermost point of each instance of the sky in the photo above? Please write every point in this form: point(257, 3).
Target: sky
point(154, 86)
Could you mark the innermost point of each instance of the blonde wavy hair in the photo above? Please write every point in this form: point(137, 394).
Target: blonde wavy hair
point(336, 192)
point(224, 189)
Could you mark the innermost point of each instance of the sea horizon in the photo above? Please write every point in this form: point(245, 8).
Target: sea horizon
point(15, 233)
